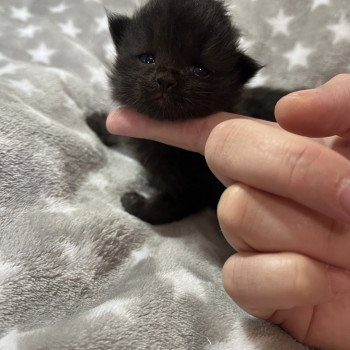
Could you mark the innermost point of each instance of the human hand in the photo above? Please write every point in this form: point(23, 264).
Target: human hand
point(286, 214)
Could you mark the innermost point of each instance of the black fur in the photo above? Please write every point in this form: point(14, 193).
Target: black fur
point(180, 35)
point(197, 70)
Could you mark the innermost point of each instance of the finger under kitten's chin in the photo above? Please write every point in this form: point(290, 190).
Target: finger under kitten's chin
point(126, 122)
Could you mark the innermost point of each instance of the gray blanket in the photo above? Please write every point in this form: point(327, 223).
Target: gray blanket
point(76, 271)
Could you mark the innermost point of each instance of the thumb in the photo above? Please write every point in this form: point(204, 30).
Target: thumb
point(319, 112)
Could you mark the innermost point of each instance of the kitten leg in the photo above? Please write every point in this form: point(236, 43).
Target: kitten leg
point(182, 181)
point(97, 123)
point(159, 209)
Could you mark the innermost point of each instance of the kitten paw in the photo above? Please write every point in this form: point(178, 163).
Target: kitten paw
point(156, 210)
point(97, 123)
point(133, 203)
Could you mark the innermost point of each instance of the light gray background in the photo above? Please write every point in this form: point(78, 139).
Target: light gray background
point(76, 271)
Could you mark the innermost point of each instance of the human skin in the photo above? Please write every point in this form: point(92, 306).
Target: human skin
point(286, 209)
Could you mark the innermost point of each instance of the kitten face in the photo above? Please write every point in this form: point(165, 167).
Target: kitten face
point(178, 59)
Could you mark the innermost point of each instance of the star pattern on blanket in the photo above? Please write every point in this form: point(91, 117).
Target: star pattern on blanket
point(280, 23)
point(7, 270)
point(109, 50)
point(58, 206)
point(298, 56)
point(28, 31)
point(259, 80)
point(9, 68)
point(341, 30)
point(21, 13)
point(118, 307)
point(69, 28)
point(41, 49)
point(97, 76)
point(60, 8)
point(41, 54)
point(24, 85)
point(139, 255)
point(102, 24)
point(317, 3)
point(86, 273)
point(185, 283)
point(296, 52)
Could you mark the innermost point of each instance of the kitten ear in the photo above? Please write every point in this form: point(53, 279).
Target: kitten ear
point(246, 67)
point(117, 27)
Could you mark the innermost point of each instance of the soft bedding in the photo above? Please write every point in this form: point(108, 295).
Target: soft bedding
point(78, 272)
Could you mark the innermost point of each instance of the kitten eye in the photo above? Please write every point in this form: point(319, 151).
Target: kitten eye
point(200, 71)
point(147, 58)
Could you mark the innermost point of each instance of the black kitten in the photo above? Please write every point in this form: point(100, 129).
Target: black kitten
point(177, 59)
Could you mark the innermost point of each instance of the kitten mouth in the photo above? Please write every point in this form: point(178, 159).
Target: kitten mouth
point(161, 96)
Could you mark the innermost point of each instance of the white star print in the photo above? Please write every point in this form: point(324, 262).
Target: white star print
point(119, 307)
point(317, 3)
point(10, 340)
point(341, 30)
point(298, 56)
point(232, 8)
point(139, 255)
point(102, 24)
point(59, 8)
point(41, 54)
point(109, 51)
point(280, 23)
point(245, 44)
point(69, 28)
point(97, 180)
point(7, 270)
point(59, 206)
point(8, 69)
point(23, 85)
point(28, 32)
point(98, 76)
point(20, 13)
point(139, 3)
point(259, 80)
point(69, 103)
point(63, 75)
point(186, 283)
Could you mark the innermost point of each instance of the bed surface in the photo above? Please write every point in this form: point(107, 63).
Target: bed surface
point(78, 272)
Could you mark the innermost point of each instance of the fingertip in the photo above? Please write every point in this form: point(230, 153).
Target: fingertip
point(301, 112)
point(289, 108)
point(112, 122)
point(123, 121)
point(227, 276)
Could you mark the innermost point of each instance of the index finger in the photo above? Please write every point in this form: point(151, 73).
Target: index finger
point(318, 112)
point(190, 135)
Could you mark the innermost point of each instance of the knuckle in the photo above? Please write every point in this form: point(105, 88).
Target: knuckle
point(299, 161)
point(308, 277)
point(217, 148)
point(232, 273)
point(232, 213)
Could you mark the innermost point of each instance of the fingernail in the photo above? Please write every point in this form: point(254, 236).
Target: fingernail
point(345, 195)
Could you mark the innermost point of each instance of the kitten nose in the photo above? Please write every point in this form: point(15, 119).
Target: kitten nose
point(165, 83)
